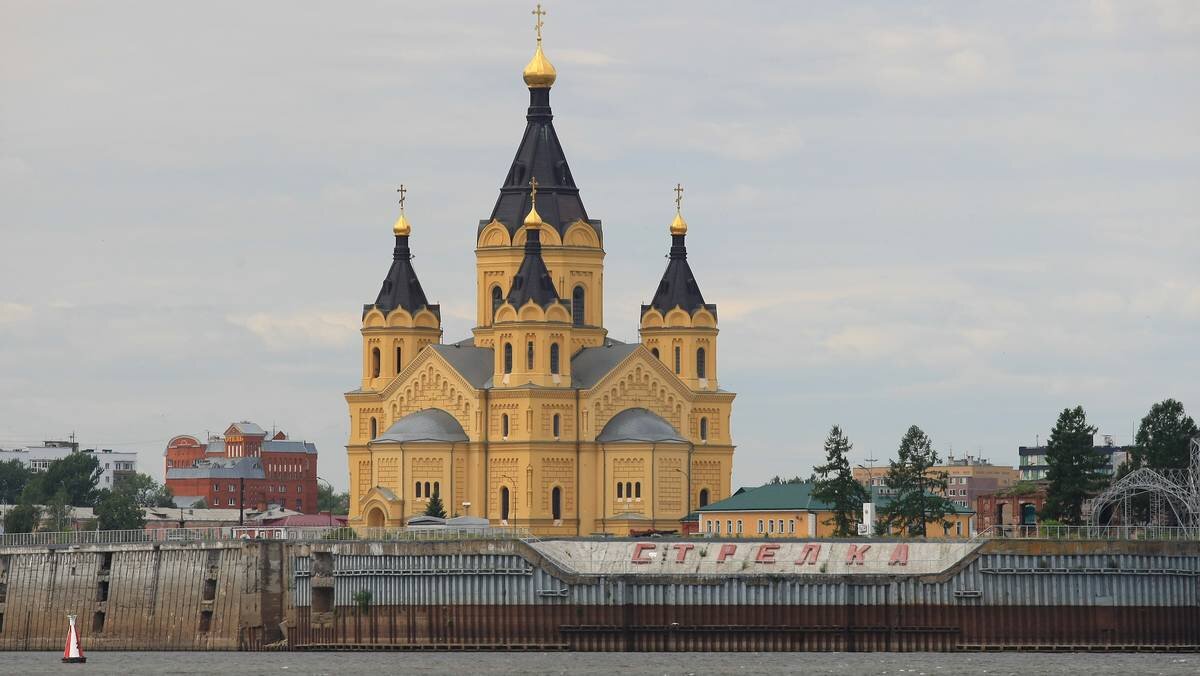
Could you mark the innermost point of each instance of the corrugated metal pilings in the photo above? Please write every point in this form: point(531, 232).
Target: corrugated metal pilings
point(428, 598)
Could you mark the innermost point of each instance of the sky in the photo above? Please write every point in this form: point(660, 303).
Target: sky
point(963, 216)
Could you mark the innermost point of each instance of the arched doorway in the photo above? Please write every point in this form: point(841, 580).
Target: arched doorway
point(375, 518)
point(1028, 514)
point(504, 503)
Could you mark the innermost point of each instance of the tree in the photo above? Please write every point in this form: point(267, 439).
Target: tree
point(1163, 437)
point(919, 492)
point(334, 503)
point(23, 518)
point(56, 517)
point(117, 510)
point(1073, 467)
point(435, 508)
point(75, 475)
point(836, 485)
point(14, 476)
point(199, 504)
point(145, 491)
point(779, 481)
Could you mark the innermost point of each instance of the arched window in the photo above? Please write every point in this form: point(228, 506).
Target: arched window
point(554, 358)
point(629, 489)
point(577, 305)
point(428, 493)
point(637, 490)
point(504, 503)
point(374, 362)
point(437, 489)
point(398, 360)
point(417, 490)
point(654, 351)
point(508, 357)
point(677, 362)
point(704, 500)
point(700, 362)
point(529, 356)
point(504, 425)
point(374, 428)
point(497, 298)
point(704, 429)
point(620, 490)
point(556, 503)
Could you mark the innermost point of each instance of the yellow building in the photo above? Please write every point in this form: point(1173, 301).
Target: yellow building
point(539, 420)
point(791, 511)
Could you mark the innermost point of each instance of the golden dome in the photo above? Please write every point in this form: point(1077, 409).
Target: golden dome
point(402, 227)
point(678, 226)
point(534, 219)
point(539, 73)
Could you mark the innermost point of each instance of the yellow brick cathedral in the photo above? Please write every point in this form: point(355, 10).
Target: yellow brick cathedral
point(540, 420)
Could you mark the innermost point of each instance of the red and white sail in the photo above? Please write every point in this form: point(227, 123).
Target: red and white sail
point(73, 652)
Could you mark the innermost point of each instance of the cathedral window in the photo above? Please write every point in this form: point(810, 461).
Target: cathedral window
point(437, 489)
point(556, 503)
point(677, 360)
point(628, 489)
point(620, 490)
point(428, 493)
point(654, 351)
point(557, 425)
point(529, 356)
point(508, 357)
point(504, 503)
point(704, 499)
point(700, 362)
point(554, 358)
point(398, 360)
point(417, 490)
point(637, 490)
point(704, 429)
point(577, 305)
point(504, 425)
point(374, 428)
point(497, 298)
point(374, 362)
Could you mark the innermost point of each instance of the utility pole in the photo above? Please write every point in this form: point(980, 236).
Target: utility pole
point(241, 501)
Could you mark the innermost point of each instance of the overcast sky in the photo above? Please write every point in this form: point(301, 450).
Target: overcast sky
point(965, 216)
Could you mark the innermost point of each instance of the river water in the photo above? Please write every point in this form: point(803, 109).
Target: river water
point(608, 664)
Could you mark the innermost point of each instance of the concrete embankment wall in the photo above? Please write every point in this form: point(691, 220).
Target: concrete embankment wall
point(612, 595)
point(142, 597)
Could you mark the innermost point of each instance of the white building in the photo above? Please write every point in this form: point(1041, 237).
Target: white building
point(113, 464)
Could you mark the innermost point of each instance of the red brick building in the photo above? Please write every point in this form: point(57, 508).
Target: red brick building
point(1010, 509)
point(243, 469)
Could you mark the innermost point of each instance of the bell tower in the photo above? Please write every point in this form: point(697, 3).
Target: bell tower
point(571, 243)
point(677, 326)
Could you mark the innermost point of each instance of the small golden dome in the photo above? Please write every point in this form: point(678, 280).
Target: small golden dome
point(678, 226)
point(534, 219)
point(539, 73)
point(402, 227)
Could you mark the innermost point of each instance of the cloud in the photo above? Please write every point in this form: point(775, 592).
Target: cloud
point(12, 313)
point(301, 329)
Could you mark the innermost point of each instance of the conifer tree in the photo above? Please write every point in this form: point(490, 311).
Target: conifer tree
point(836, 486)
point(1163, 437)
point(435, 508)
point(1073, 467)
point(919, 492)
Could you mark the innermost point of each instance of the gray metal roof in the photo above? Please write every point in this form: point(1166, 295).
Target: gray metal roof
point(476, 364)
point(241, 468)
point(431, 424)
point(638, 424)
point(591, 364)
point(247, 427)
point(289, 446)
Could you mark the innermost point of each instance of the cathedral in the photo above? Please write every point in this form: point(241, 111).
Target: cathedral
point(539, 420)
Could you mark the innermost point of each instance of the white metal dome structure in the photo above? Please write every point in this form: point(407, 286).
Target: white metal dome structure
point(1174, 492)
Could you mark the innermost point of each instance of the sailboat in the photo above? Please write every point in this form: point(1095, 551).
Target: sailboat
point(73, 652)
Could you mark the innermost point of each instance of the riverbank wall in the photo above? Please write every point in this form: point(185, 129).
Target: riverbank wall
point(624, 595)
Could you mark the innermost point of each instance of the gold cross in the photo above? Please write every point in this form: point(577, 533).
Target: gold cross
point(678, 195)
point(402, 190)
point(533, 192)
point(538, 26)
